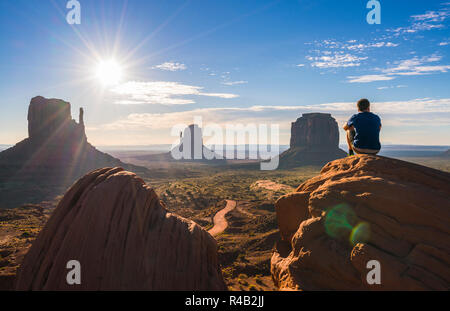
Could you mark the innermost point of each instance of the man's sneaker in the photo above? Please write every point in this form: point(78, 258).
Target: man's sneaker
point(350, 152)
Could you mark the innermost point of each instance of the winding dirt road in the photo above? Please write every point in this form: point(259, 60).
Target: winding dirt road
point(220, 223)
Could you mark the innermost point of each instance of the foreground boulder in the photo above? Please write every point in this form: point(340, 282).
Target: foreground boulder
point(114, 225)
point(364, 208)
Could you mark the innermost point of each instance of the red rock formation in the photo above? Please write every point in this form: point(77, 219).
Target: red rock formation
point(314, 141)
point(364, 208)
point(55, 154)
point(315, 131)
point(116, 227)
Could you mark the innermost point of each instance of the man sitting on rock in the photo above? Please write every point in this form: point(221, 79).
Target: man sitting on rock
point(363, 130)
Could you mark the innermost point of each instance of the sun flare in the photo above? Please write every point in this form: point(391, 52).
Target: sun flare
point(109, 72)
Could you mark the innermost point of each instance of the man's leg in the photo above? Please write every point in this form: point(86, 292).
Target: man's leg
point(350, 138)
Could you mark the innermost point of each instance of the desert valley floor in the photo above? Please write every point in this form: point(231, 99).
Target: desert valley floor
point(197, 192)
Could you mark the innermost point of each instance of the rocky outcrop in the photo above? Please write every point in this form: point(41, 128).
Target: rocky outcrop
point(55, 154)
point(114, 225)
point(314, 141)
point(190, 149)
point(49, 116)
point(317, 131)
point(364, 208)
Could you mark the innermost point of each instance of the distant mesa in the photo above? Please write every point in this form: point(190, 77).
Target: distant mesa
point(314, 141)
point(445, 154)
point(189, 149)
point(365, 208)
point(55, 154)
point(128, 242)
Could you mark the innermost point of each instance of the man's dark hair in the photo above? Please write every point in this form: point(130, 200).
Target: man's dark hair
point(363, 104)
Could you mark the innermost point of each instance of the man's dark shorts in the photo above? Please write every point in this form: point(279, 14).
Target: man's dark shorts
point(351, 135)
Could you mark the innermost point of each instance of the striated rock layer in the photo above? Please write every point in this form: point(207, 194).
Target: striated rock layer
point(364, 208)
point(116, 227)
point(314, 141)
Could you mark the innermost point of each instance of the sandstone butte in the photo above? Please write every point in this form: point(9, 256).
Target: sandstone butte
point(364, 208)
point(314, 141)
point(124, 239)
point(57, 148)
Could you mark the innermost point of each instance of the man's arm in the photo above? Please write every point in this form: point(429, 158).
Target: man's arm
point(349, 124)
point(346, 127)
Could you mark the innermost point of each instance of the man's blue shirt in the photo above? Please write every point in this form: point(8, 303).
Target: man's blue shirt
point(367, 128)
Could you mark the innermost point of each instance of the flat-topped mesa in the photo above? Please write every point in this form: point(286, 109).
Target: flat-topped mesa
point(51, 119)
point(317, 131)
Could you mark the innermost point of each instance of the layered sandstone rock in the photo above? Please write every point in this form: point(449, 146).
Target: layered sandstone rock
point(314, 141)
point(364, 208)
point(114, 225)
point(55, 154)
point(47, 116)
point(315, 131)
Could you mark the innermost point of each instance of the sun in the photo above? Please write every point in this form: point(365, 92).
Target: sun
point(109, 72)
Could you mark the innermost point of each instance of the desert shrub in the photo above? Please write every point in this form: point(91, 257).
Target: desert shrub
point(242, 276)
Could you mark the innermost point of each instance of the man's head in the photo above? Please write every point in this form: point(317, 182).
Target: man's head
point(363, 105)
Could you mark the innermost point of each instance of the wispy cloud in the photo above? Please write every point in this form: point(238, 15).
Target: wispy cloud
point(391, 87)
point(409, 67)
point(422, 110)
point(361, 46)
point(427, 21)
point(171, 66)
point(160, 92)
point(234, 82)
point(335, 54)
point(336, 60)
point(369, 78)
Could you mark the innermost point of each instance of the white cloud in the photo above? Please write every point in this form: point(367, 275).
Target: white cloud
point(427, 21)
point(234, 82)
point(335, 61)
point(171, 66)
point(410, 67)
point(361, 47)
point(369, 78)
point(444, 43)
point(423, 111)
point(160, 92)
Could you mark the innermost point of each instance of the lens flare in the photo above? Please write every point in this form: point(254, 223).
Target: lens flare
point(360, 233)
point(342, 223)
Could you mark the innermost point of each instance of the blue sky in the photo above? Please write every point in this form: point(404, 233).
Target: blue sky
point(229, 62)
